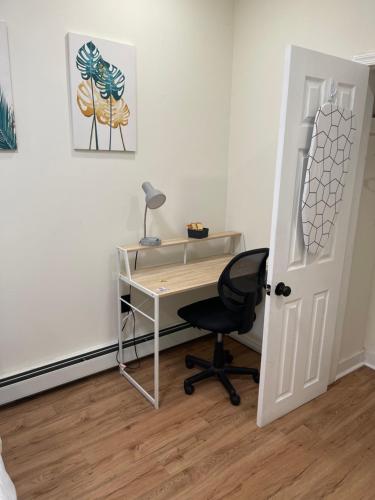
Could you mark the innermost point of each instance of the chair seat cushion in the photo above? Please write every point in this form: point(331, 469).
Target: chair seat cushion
point(212, 315)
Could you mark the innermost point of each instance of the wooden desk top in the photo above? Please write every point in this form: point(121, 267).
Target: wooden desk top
point(177, 278)
point(180, 241)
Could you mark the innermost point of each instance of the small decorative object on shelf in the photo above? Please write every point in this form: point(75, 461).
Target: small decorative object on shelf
point(197, 230)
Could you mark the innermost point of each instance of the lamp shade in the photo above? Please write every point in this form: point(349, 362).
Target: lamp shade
point(154, 197)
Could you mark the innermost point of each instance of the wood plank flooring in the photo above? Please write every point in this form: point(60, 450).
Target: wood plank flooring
point(98, 438)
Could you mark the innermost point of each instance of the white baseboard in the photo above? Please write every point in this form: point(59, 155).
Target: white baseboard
point(88, 367)
point(361, 358)
point(370, 359)
point(350, 364)
point(250, 341)
point(52, 379)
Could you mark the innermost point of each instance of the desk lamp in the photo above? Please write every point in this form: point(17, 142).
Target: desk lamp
point(154, 199)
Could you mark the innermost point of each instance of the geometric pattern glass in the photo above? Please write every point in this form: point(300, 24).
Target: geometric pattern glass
point(328, 159)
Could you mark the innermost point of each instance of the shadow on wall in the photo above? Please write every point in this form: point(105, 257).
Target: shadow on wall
point(369, 184)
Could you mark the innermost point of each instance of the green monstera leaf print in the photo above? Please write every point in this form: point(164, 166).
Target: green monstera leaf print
point(110, 81)
point(87, 60)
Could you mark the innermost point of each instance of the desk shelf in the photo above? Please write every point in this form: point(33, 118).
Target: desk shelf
point(180, 241)
point(124, 251)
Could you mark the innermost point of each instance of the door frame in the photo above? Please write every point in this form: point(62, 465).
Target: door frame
point(367, 59)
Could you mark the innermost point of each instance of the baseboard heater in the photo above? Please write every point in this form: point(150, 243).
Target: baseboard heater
point(80, 358)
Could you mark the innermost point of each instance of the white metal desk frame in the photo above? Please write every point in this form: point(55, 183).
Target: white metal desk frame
point(123, 254)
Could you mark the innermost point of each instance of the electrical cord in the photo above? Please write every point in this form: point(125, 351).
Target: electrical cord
point(125, 322)
point(135, 344)
point(122, 329)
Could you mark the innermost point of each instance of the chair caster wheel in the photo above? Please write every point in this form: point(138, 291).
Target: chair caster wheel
point(188, 363)
point(235, 399)
point(256, 378)
point(228, 357)
point(189, 388)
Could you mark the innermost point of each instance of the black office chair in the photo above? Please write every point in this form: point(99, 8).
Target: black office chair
point(240, 289)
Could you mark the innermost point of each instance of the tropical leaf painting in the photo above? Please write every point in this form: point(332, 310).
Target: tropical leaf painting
point(103, 90)
point(8, 139)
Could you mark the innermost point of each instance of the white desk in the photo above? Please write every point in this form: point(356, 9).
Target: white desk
point(163, 281)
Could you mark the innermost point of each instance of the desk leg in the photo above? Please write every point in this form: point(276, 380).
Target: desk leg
point(119, 326)
point(156, 351)
point(120, 350)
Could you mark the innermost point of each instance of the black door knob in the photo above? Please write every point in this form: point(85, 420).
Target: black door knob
point(283, 289)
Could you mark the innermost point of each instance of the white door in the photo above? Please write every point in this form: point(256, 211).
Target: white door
point(299, 329)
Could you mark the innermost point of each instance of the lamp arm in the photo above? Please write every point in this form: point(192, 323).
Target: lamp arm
point(144, 222)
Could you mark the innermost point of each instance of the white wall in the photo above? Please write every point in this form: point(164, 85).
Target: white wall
point(368, 218)
point(359, 311)
point(370, 329)
point(62, 212)
point(262, 30)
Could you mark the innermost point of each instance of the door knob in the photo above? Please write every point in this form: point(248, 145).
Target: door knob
point(283, 289)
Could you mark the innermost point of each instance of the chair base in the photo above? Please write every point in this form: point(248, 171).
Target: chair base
point(220, 367)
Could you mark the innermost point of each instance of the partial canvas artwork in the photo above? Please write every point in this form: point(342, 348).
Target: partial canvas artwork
point(103, 94)
point(8, 138)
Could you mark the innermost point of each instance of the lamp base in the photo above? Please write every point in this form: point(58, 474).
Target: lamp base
point(150, 241)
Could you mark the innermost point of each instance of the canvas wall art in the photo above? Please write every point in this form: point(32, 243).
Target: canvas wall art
point(103, 94)
point(8, 139)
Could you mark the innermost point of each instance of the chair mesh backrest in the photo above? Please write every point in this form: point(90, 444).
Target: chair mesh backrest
point(241, 285)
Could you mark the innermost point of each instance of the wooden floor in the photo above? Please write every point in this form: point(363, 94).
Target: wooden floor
point(98, 438)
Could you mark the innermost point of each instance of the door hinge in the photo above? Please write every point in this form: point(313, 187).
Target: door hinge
point(268, 289)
